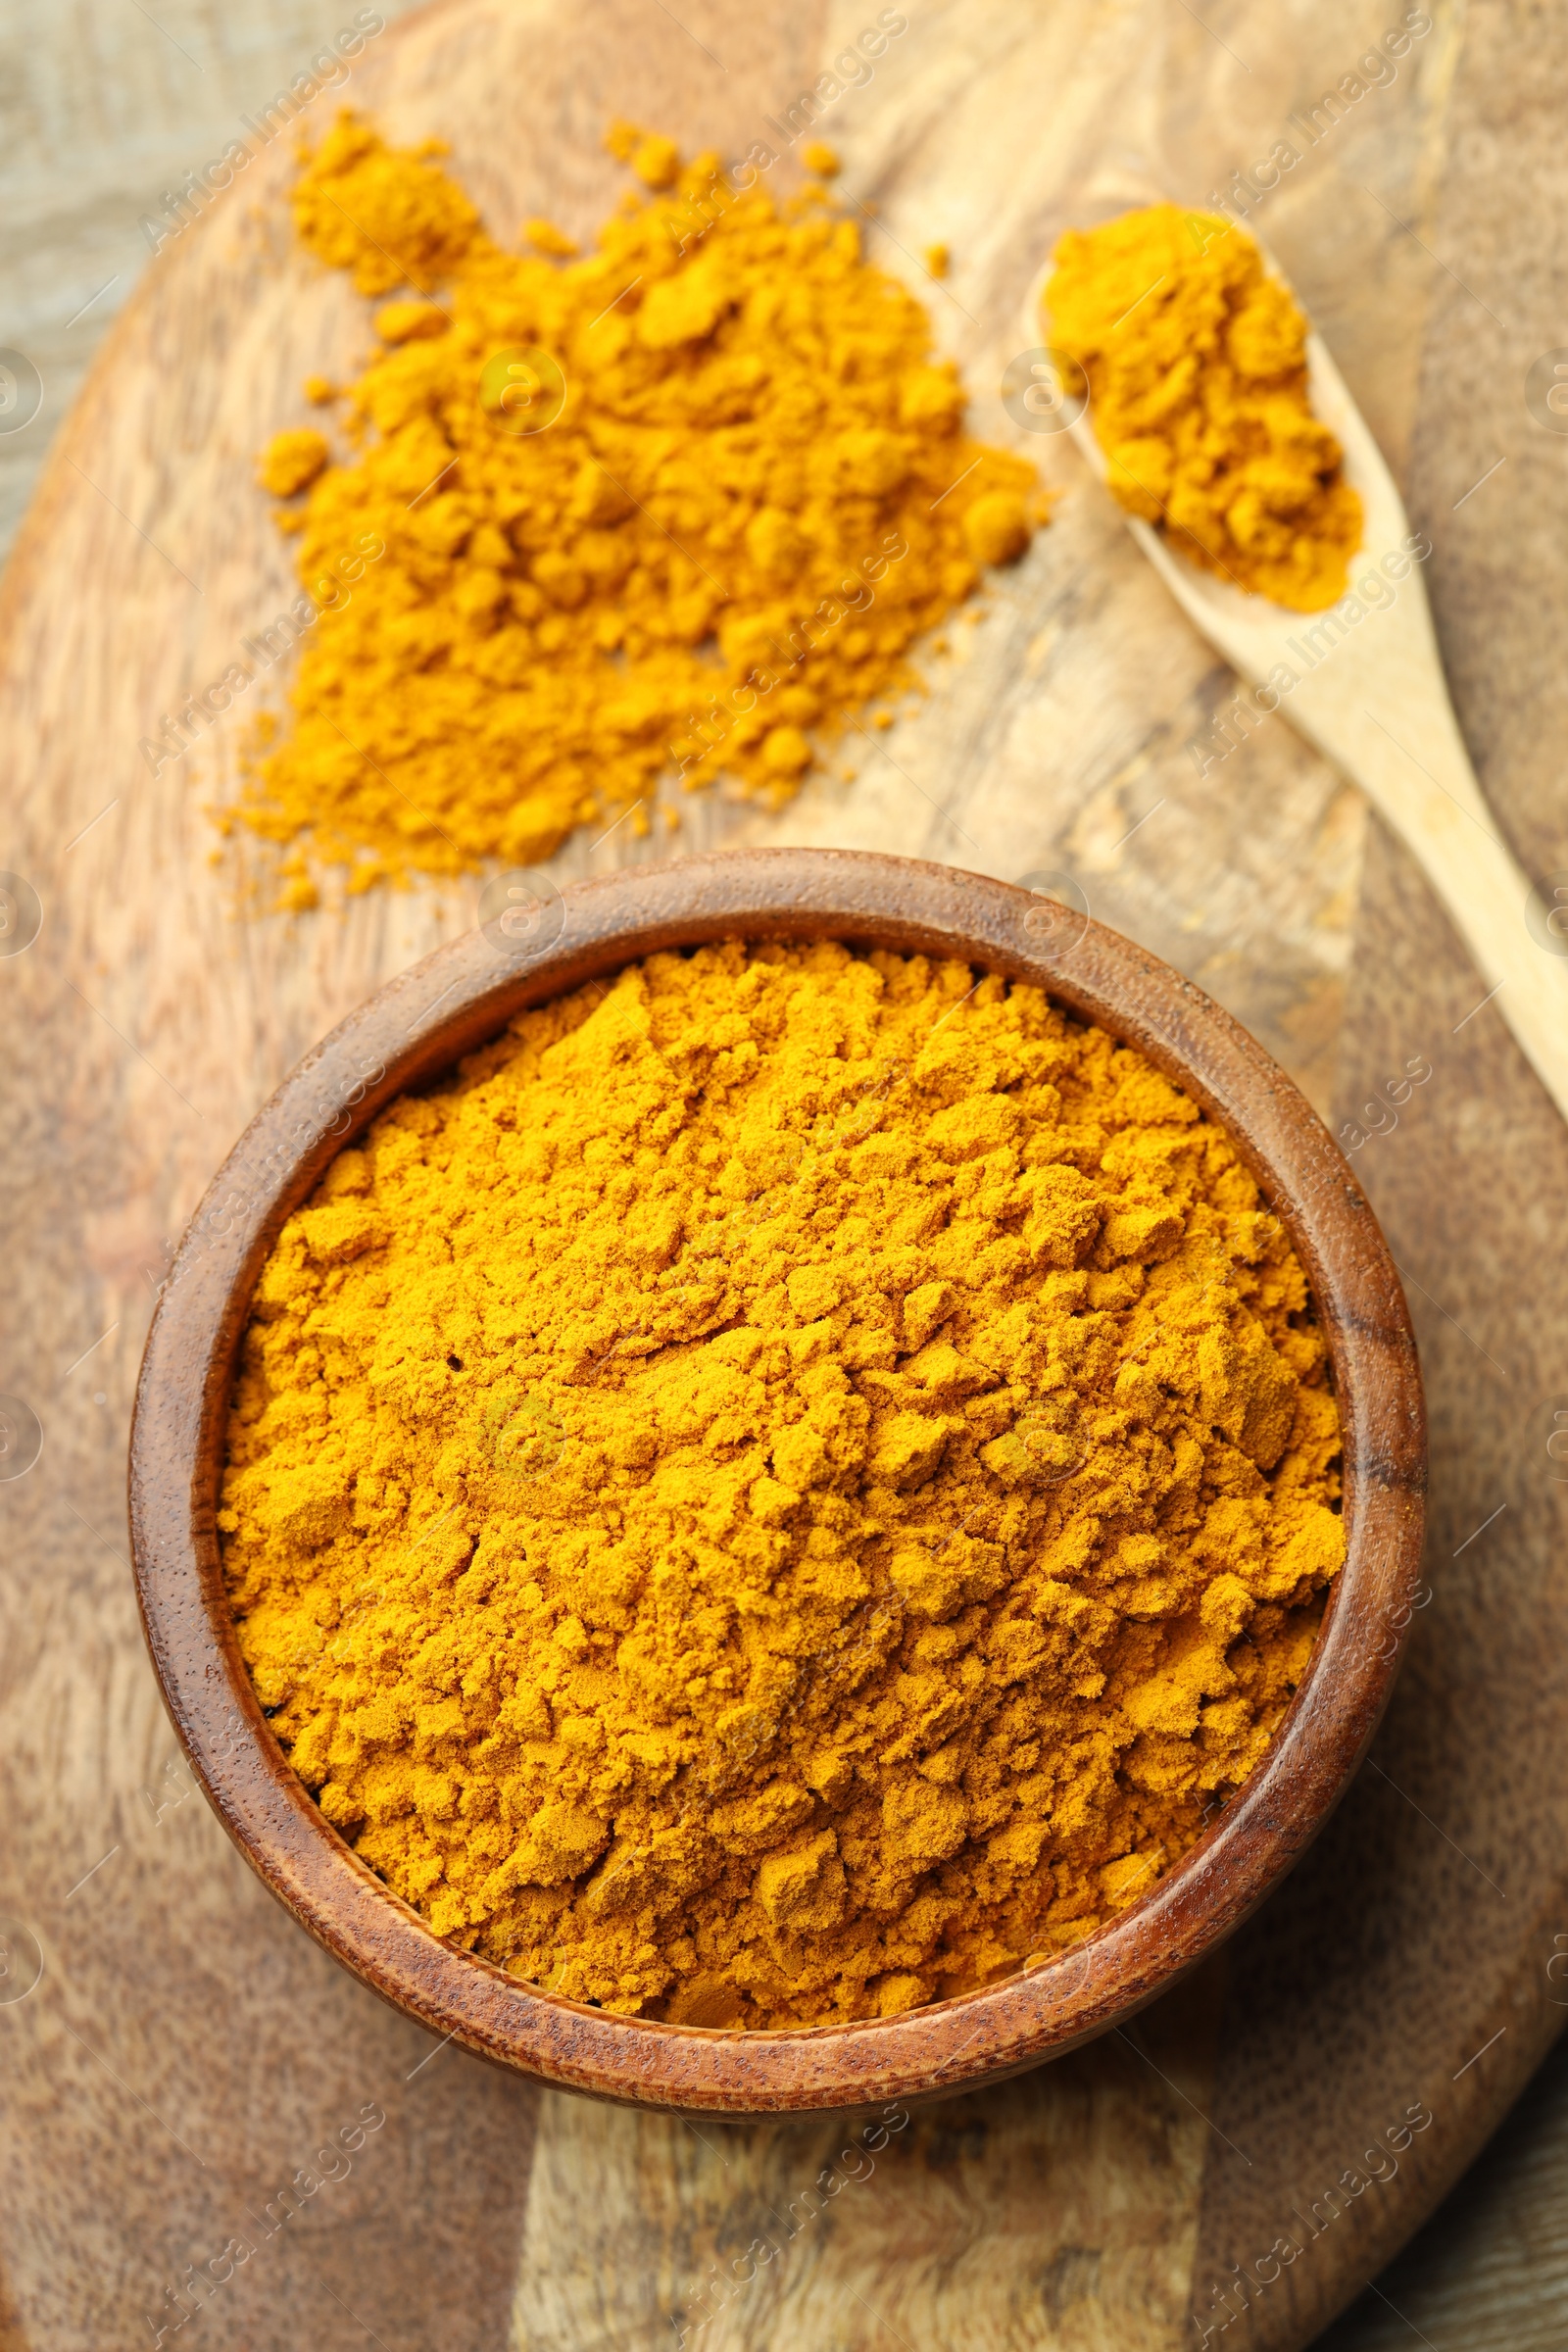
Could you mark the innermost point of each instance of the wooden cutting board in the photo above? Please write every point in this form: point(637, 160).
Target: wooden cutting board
point(186, 2050)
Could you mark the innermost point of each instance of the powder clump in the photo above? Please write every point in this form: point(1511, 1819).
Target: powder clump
point(292, 460)
point(790, 1483)
point(1196, 366)
point(674, 509)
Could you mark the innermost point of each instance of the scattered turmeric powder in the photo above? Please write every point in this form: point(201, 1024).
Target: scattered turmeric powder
point(292, 461)
point(673, 506)
point(785, 1486)
point(1196, 366)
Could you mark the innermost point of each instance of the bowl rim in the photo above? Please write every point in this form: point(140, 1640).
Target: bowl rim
point(462, 994)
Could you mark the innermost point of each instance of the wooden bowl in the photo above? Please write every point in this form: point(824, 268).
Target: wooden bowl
point(443, 1008)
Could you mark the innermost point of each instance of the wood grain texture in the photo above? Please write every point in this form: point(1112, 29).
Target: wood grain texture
point(1056, 2209)
point(1490, 2271)
point(1057, 727)
point(102, 109)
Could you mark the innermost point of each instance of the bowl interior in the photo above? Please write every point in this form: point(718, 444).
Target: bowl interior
point(441, 1009)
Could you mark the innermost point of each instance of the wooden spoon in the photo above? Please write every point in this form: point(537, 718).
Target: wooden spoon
point(1371, 695)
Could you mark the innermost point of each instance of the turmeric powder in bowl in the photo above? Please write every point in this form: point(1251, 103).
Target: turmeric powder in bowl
point(786, 1485)
point(1196, 360)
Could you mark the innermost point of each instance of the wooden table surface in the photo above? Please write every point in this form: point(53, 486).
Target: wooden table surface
point(187, 2048)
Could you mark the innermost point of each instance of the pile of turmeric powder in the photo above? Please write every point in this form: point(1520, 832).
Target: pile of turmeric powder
point(1196, 366)
point(787, 1485)
point(668, 507)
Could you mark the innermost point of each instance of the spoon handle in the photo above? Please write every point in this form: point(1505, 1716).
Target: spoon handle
point(1389, 724)
point(1370, 693)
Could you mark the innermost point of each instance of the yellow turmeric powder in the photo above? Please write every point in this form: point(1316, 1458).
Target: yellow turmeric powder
point(784, 1487)
point(1196, 366)
point(668, 507)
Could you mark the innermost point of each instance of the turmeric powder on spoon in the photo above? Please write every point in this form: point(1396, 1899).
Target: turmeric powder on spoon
point(785, 1486)
point(1196, 360)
